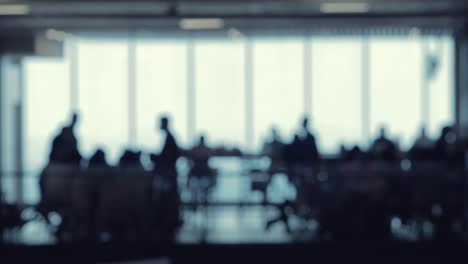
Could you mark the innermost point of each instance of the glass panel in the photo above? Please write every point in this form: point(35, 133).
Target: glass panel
point(47, 104)
point(336, 92)
point(441, 94)
point(278, 80)
point(46, 111)
point(103, 96)
point(220, 92)
point(396, 73)
point(161, 89)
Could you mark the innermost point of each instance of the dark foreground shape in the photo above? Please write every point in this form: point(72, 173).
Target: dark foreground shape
point(448, 252)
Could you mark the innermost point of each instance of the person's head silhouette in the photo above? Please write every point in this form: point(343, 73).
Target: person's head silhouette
point(383, 132)
point(423, 132)
point(305, 123)
point(74, 119)
point(445, 130)
point(296, 139)
point(164, 123)
point(275, 134)
point(202, 140)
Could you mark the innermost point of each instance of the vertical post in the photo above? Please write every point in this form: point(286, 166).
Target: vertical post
point(73, 72)
point(424, 84)
point(191, 107)
point(2, 103)
point(132, 113)
point(307, 60)
point(365, 93)
point(249, 100)
point(19, 131)
point(458, 80)
point(461, 81)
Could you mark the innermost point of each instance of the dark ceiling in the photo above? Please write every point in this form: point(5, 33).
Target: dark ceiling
point(242, 14)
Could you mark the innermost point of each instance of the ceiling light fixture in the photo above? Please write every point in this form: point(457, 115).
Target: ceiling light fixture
point(344, 8)
point(201, 23)
point(14, 10)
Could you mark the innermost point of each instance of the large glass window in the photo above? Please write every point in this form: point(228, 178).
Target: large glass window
point(46, 106)
point(103, 96)
point(336, 92)
point(396, 74)
point(441, 92)
point(220, 93)
point(218, 70)
point(161, 88)
point(278, 85)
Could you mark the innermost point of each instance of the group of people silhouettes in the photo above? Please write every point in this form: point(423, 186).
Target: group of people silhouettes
point(446, 147)
point(302, 149)
point(296, 158)
point(64, 150)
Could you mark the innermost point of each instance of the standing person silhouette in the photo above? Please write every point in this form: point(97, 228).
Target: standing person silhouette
point(165, 168)
point(166, 160)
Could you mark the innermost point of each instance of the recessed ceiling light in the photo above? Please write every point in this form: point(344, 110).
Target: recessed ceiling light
point(201, 23)
point(14, 10)
point(344, 8)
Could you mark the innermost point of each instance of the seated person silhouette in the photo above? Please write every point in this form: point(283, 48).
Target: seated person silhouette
point(292, 151)
point(422, 148)
point(444, 145)
point(202, 178)
point(199, 155)
point(351, 155)
point(65, 146)
point(300, 155)
point(302, 151)
point(383, 148)
point(292, 157)
point(356, 153)
point(98, 160)
point(273, 149)
point(131, 159)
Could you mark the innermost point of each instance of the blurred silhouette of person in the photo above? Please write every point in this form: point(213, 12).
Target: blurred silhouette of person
point(131, 159)
point(274, 149)
point(445, 143)
point(98, 160)
point(165, 168)
point(202, 178)
point(383, 148)
point(423, 141)
point(308, 152)
point(64, 151)
point(343, 152)
point(292, 151)
point(166, 160)
point(422, 147)
point(199, 155)
point(351, 155)
point(300, 156)
point(65, 145)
